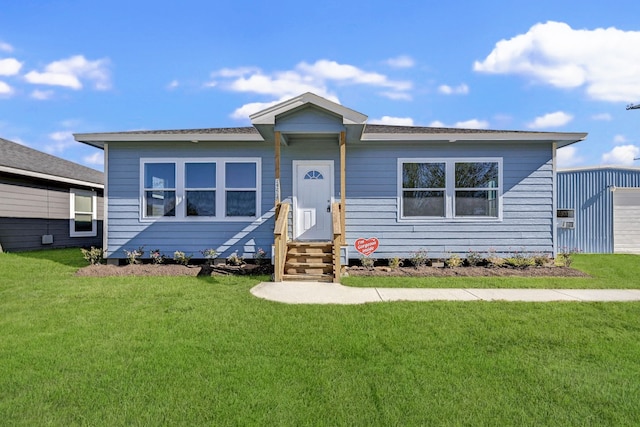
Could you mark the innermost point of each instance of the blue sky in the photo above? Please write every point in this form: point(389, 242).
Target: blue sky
point(80, 66)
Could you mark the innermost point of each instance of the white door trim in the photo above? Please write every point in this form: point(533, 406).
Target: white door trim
point(295, 165)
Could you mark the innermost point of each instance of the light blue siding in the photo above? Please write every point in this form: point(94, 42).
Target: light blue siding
point(372, 201)
point(126, 231)
point(588, 191)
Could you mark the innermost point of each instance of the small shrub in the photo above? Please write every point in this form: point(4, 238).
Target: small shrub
point(133, 256)
point(261, 257)
point(93, 255)
point(395, 263)
point(565, 257)
point(419, 258)
point(454, 260)
point(519, 260)
point(235, 259)
point(540, 259)
point(367, 262)
point(474, 258)
point(181, 258)
point(210, 255)
point(493, 259)
point(156, 256)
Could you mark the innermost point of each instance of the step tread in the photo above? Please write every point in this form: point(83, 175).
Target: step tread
point(311, 277)
point(308, 264)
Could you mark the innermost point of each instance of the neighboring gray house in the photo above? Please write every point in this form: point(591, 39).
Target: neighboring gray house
point(311, 177)
point(46, 201)
point(599, 209)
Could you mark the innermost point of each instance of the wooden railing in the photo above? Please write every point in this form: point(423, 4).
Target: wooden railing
point(337, 240)
point(281, 238)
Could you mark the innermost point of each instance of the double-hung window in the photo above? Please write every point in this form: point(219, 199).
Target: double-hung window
point(432, 189)
point(200, 189)
point(83, 213)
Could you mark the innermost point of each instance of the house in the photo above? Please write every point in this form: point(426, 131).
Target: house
point(310, 178)
point(598, 209)
point(46, 201)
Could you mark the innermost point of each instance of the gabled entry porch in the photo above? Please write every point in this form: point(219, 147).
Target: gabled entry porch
point(309, 231)
point(309, 134)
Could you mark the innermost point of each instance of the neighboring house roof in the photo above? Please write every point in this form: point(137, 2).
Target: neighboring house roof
point(354, 123)
point(21, 160)
point(600, 167)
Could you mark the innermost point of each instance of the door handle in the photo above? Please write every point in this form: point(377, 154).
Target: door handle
point(329, 208)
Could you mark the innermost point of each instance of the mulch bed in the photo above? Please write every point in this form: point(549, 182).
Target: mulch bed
point(252, 269)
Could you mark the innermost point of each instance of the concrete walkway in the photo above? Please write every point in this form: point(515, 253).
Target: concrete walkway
point(332, 293)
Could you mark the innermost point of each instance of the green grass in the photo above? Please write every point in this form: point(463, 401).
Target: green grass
point(203, 351)
point(606, 271)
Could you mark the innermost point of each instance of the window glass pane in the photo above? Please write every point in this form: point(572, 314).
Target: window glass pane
point(83, 203)
point(240, 175)
point(423, 175)
point(201, 203)
point(241, 203)
point(200, 175)
point(477, 203)
point(423, 203)
point(477, 175)
point(83, 222)
point(160, 203)
point(159, 175)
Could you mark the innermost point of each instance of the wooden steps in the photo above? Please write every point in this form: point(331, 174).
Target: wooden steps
point(309, 261)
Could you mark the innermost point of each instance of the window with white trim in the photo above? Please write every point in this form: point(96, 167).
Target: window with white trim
point(200, 189)
point(450, 188)
point(83, 217)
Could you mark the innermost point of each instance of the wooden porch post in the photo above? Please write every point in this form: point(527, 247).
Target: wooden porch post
point(343, 183)
point(277, 164)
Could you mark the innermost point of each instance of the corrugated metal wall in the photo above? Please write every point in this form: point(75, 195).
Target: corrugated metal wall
point(588, 191)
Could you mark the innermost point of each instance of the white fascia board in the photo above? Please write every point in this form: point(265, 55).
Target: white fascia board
point(600, 167)
point(49, 177)
point(99, 139)
point(268, 115)
point(561, 139)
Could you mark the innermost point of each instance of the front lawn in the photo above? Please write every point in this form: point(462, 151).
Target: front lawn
point(606, 271)
point(204, 351)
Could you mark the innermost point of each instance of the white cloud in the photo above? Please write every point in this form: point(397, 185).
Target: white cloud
point(605, 117)
point(173, 84)
point(397, 121)
point(5, 47)
point(42, 95)
point(461, 89)
point(5, 89)
point(620, 139)
point(9, 67)
point(317, 77)
point(396, 96)
point(559, 118)
point(72, 71)
point(62, 141)
point(402, 61)
point(606, 62)
point(472, 124)
point(94, 159)
point(467, 124)
point(567, 157)
point(622, 154)
point(246, 110)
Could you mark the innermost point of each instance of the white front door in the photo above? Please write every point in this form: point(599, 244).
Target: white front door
point(312, 197)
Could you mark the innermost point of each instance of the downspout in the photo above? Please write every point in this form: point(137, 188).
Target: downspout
point(105, 202)
point(554, 203)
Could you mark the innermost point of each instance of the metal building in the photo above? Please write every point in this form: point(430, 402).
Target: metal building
point(598, 209)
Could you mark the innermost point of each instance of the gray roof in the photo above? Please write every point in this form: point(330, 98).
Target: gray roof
point(23, 160)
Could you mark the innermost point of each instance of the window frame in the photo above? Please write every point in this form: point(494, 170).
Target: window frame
point(450, 189)
point(73, 192)
point(220, 189)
